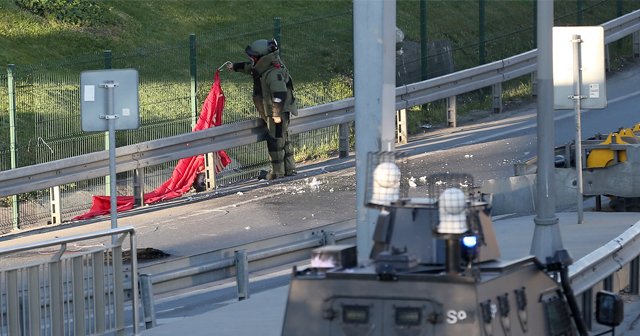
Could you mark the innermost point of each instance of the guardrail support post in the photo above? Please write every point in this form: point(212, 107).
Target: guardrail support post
point(242, 274)
point(451, 111)
point(138, 187)
point(636, 45)
point(343, 139)
point(54, 201)
point(607, 58)
point(587, 308)
point(633, 276)
point(519, 169)
point(401, 126)
point(148, 305)
point(496, 90)
point(607, 283)
point(534, 84)
point(210, 163)
point(328, 238)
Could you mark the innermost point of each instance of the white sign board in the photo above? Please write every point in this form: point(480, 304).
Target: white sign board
point(593, 86)
point(94, 99)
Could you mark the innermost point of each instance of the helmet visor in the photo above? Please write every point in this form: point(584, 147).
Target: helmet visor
point(251, 53)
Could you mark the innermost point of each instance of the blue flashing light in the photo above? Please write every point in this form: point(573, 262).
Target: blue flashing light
point(470, 241)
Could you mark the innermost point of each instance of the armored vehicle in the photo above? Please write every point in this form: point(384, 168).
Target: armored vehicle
point(434, 269)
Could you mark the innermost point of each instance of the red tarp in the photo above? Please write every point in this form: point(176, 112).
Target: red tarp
point(185, 171)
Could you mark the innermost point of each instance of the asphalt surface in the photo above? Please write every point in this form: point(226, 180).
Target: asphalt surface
point(263, 312)
point(324, 193)
point(318, 195)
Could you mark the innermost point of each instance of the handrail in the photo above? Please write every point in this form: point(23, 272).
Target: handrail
point(608, 259)
point(65, 240)
point(94, 165)
point(60, 286)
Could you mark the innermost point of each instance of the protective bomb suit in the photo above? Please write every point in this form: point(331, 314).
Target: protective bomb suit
point(274, 101)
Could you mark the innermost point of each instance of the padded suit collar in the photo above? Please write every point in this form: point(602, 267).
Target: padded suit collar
point(267, 61)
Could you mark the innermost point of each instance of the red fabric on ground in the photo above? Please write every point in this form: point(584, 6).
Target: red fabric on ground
point(184, 172)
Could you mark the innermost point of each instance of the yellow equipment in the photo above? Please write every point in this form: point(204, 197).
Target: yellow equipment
point(604, 157)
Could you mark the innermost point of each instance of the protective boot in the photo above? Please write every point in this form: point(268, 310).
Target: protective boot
point(289, 161)
point(276, 154)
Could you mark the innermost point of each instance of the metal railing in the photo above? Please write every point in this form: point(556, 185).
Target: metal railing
point(50, 292)
point(93, 165)
point(620, 257)
point(145, 154)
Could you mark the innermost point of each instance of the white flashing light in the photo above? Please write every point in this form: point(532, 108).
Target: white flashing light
point(386, 184)
point(452, 208)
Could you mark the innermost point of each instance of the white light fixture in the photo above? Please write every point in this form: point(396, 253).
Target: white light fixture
point(452, 208)
point(386, 184)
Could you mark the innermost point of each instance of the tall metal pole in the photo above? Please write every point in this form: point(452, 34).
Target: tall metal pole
point(577, 97)
point(546, 236)
point(374, 39)
point(108, 64)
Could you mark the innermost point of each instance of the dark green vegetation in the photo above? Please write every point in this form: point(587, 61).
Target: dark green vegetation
point(50, 40)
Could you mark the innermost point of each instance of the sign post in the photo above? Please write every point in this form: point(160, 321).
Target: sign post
point(584, 72)
point(109, 102)
point(577, 97)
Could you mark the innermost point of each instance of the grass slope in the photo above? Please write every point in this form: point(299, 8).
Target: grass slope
point(27, 38)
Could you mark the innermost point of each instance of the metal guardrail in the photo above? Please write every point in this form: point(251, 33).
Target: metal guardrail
point(78, 294)
point(220, 264)
point(620, 257)
point(608, 259)
point(587, 273)
point(93, 165)
point(622, 253)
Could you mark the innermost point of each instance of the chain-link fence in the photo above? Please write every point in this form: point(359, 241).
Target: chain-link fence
point(174, 80)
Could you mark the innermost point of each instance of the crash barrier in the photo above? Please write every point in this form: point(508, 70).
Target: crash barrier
point(610, 167)
point(146, 154)
point(601, 154)
point(236, 263)
point(613, 267)
point(58, 291)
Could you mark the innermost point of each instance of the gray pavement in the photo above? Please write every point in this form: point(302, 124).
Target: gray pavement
point(263, 313)
point(204, 222)
point(322, 193)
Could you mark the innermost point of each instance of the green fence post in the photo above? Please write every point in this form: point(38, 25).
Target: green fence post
point(194, 79)
point(481, 37)
point(579, 19)
point(423, 40)
point(619, 11)
point(535, 23)
point(619, 8)
point(107, 59)
point(107, 179)
point(277, 29)
point(11, 84)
